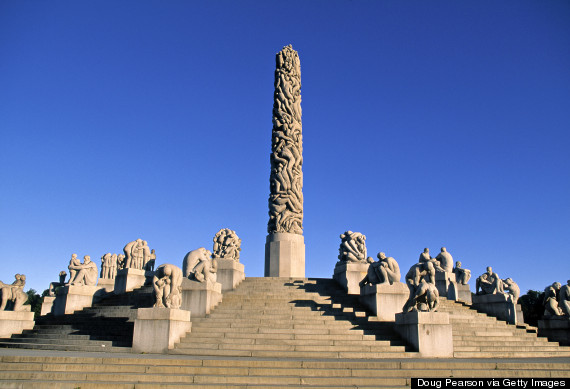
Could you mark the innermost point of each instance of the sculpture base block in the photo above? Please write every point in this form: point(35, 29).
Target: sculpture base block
point(47, 305)
point(285, 255)
point(499, 306)
point(459, 292)
point(428, 332)
point(385, 300)
point(200, 297)
point(15, 322)
point(128, 279)
point(107, 283)
point(230, 273)
point(157, 329)
point(349, 275)
point(556, 329)
point(73, 298)
point(443, 280)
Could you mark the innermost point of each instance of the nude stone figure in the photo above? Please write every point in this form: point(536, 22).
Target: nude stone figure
point(445, 260)
point(421, 283)
point(513, 289)
point(199, 265)
point(551, 307)
point(14, 292)
point(74, 261)
point(132, 254)
point(386, 270)
point(167, 283)
point(489, 283)
point(106, 266)
point(87, 273)
point(461, 275)
point(352, 247)
point(227, 245)
point(564, 299)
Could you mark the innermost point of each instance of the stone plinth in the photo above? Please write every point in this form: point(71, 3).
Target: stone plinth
point(12, 323)
point(107, 283)
point(459, 292)
point(47, 305)
point(499, 306)
point(73, 298)
point(230, 273)
point(349, 275)
point(385, 300)
point(442, 282)
point(285, 255)
point(157, 329)
point(129, 279)
point(200, 297)
point(556, 329)
point(428, 332)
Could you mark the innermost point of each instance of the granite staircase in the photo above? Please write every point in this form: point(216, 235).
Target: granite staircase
point(284, 318)
point(476, 335)
point(107, 326)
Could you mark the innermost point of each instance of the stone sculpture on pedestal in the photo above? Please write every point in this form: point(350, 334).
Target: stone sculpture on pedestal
point(445, 260)
point(462, 276)
point(513, 289)
point(353, 264)
point(74, 261)
point(137, 254)
point(120, 261)
point(109, 266)
point(285, 247)
point(386, 270)
point(199, 265)
point(420, 279)
point(353, 248)
point(555, 323)
point(167, 283)
point(227, 245)
point(564, 302)
point(551, 305)
point(489, 283)
point(85, 273)
point(497, 297)
point(53, 285)
point(14, 293)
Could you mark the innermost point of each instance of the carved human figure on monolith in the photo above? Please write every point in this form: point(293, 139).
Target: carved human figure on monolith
point(227, 245)
point(564, 298)
point(167, 283)
point(199, 265)
point(462, 275)
point(86, 273)
point(551, 306)
point(489, 283)
point(385, 270)
point(353, 248)
point(14, 292)
point(445, 260)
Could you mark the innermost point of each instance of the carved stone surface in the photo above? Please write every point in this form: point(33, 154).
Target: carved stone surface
point(85, 273)
point(200, 297)
point(137, 254)
point(167, 283)
point(551, 305)
point(421, 281)
point(158, 329)
point(286, 180)
point(499, 305)
point(129, 279)
point(445, 260)
point(199, 265)
point(15, 322)
point(428, 332)
point(230, 274)
point(555, 328)
point(489, 283)
point(73, 298)
point(284, 255)
point(353, 248)
point(54, 285)
point(385, 271)
point(462, 275)
point(109, 266)
point(349, 275)
point(565, 298)
point(384, 300)
point(227, 245)
point(13, 295)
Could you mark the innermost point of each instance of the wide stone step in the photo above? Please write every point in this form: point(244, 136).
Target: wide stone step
point(65, 347)
point(293, 354)
point(199, 341)
point(508, 354)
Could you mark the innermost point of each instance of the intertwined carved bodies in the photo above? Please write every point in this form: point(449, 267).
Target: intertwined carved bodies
point(353, 247)
point(227, 245)
point(286, 179)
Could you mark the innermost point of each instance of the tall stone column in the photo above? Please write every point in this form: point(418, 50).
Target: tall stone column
point(285, 246)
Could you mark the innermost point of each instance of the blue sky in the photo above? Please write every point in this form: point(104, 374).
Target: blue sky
point(425, 124)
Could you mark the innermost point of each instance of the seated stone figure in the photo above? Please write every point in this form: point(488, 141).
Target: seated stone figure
point(86, 273)
point(445, 260)
point(425, 258)
point(353, 247)
point(167, 283)
point(386, 270)
point(54, 285)
point(199, 265)
point(513, 289)
point(421, 283)
point(551, 307)
point(564, 299)
point(14, 292)
point(489, 283)
point(462, 275)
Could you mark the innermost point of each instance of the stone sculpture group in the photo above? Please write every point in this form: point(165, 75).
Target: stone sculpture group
point(138, 255)
point(14, 293)
point(353, 248)
point(557, 299)
point(167, 283)
point(490, 283)
point(85, 273)
point(200, 266)
point(227, 245)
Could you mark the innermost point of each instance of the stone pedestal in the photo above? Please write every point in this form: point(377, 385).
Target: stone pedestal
point(127, 280)
point(349, 274)
point(285, 255)
point(230, 273)
point(107, 283)
point(556, 329)
point(385, 300)
point(157, 329)
point(12, 323)
point(459, 292)
point(47, 305)
point(428, 332)
point(499, 306)
point(73, 298)
point(200, 297)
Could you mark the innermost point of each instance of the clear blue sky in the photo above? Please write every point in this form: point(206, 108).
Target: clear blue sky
point(425, 124)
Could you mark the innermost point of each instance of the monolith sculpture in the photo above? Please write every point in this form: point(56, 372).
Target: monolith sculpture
point(285, 246)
